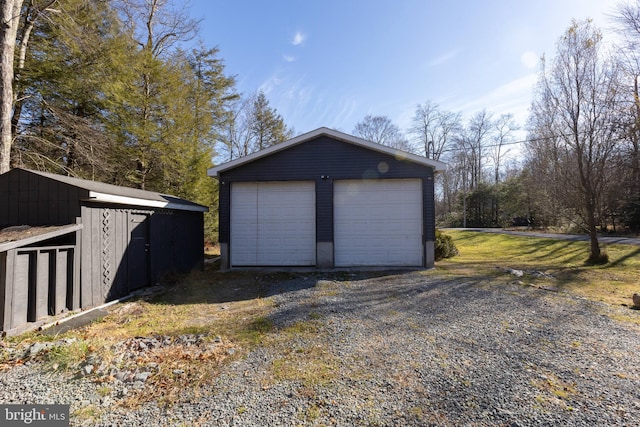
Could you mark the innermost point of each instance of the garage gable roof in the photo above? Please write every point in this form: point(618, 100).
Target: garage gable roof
point(109, 193)
point(399, 154)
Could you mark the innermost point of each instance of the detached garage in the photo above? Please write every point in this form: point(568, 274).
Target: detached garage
point(327, 199)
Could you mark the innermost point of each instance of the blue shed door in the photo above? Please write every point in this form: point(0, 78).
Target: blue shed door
point(138, 251)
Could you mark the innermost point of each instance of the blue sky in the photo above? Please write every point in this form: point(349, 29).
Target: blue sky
point(331, 62)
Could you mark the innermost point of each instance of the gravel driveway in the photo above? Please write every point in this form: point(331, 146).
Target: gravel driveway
point(407, 348)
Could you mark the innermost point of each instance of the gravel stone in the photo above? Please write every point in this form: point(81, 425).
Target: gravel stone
point(407, 349)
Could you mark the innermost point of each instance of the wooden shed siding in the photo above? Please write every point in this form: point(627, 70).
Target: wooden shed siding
point(73, 299)
point(86, 241)
point(105, 243)
point(7, 260)
point(36, 200)
point(164, 243)
point(186, 227)
point(41, 285)
point(335, 160)
point(19, 289)
point(106, 238)
point(35, 282)
point(5, 299)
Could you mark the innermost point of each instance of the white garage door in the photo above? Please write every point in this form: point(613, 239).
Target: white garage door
point(273, 223)
point(378, 222)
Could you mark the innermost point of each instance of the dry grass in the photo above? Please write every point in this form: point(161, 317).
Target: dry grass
point(227, 308)
point(302, 353)
point(211, 250)
point(489, 254)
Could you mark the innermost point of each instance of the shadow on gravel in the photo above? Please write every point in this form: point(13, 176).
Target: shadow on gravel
point(367, 295)
point(397, 292)
point(213, 287)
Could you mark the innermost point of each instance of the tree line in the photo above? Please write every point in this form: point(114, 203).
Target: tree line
point(113, 90)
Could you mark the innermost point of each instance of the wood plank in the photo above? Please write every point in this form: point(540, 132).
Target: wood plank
point(8, 301)
point(20, 300)
point(43, 277)
point(86, 295)
point(14, 186)
point(95, 253)
point(43, 211)
point(58, 301)
point(4, 290)
point(73, 293)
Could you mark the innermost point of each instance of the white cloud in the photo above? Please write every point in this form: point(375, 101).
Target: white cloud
point(513, 97)
point(270, 84)
point(298, 38)
point(288, 58)
point(529, 59)
point(444, 58)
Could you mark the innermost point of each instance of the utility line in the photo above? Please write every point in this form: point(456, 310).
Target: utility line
point(545, 138)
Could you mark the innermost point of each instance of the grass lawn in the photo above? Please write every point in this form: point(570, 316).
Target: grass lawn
point(488, 253)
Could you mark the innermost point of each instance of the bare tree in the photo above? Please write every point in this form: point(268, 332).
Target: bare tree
point(381, 130)
point(473, 142)
point(579, 91)
point(157, 25)
point(237, 134)
point(254, 125)
point(504, 128)
point(434, 129)
point(9, 21)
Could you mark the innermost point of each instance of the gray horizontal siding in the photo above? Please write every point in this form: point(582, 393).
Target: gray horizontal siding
point(325, 156)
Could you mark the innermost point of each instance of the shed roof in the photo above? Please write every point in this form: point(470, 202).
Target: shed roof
point(18, 236)
point(323, 131)
point(109, 193)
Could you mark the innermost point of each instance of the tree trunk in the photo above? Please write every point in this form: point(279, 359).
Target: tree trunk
point(10, 18)
point(595, 254)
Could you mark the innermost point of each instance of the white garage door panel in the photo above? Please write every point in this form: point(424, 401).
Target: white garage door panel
point(273, 223)
point(244, 227)
point(378, 222)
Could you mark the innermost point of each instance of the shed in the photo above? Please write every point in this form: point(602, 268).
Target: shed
point(327, 199)
point(68, 243)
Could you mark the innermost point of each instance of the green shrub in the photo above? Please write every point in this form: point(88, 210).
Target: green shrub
point(445, 248)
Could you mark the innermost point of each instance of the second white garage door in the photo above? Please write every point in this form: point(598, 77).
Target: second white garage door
point(378, 222)
point(273, 223)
